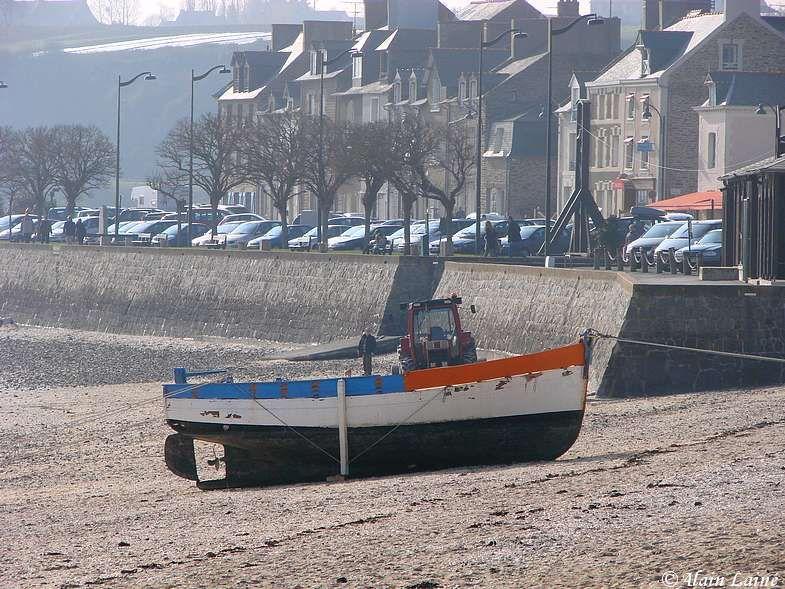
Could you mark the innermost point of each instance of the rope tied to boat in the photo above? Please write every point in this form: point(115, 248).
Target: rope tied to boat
point(593, 333)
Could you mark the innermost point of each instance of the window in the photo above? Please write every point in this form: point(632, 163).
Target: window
point(712, 150)
point(514, 96)
point(374, 110)
point(397, 91)
point(247, 77)
point(615, 151)
point(631, 107)
point(629, 152)
point(601, 106)
point(315, 62)
point(311, 104)
point(571, 148)
point(473, 89)
point(644, 102)
point(608, 140)
point(357, 66)
point(412, 90)
point(615, 114)
point(609, 106)
point(645, 63)
point(461, 91)
point(731, 56)
point(575, 96)
point(644, 153)
point(499, 140)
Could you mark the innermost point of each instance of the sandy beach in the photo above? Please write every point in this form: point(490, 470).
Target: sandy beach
point(657, 492)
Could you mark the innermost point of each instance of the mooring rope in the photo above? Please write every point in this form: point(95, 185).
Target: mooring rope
point(596, 334)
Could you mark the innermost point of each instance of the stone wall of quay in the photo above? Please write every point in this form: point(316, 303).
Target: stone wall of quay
point(274, 296)
point(305, 298)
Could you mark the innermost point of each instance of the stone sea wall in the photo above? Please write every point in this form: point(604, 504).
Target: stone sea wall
point(314, 298)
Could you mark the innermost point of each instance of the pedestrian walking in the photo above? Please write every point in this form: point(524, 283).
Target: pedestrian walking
point(26, 227)
point(81, 232)
point(44, 231)
point(513, 235)
point(367, 349)
point(69, 230)
point(491, 240)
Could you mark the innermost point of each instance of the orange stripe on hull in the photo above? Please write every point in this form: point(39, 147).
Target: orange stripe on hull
point(430, 378)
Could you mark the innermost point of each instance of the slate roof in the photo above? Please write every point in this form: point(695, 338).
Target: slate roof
point(770, 164)
point(452, 62)
point(747, 88)
point(408, 40)
point(490, 9)
point(664, 46)
point(523, 135)
point(372, 88)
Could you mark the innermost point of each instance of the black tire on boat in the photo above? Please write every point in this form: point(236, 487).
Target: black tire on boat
point(406, 363)
point(469, 355)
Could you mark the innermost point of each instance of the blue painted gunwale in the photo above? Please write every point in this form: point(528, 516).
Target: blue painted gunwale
point(293, 389)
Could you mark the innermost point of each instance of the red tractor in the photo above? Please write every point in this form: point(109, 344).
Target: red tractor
point(435, 337)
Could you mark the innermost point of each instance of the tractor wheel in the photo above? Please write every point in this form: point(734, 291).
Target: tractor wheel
point(469, 355)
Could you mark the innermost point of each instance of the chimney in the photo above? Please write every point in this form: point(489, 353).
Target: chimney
point(568, 8)
point(734, 8)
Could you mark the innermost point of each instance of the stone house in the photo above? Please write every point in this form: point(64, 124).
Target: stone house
point(640, 154)
point(733, 132)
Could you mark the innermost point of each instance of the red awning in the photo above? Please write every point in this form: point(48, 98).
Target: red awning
point(695, 201)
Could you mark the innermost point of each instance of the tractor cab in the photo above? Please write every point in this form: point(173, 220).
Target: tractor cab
point(435, 336)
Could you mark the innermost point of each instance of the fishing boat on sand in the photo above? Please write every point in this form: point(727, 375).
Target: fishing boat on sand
point(509, 410)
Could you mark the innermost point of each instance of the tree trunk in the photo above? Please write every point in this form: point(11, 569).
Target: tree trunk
point(325, 222)
point(214, 207)
point(407, 226)
point(369, 205)
point(448, 213)
point(283, 213)
point(70, 204)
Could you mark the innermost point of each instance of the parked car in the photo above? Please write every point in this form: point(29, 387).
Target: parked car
point(59, 213)
point(689, 233)
point(248, 231)
point(532, 239)
point(86, 213)
point(418, 231)
point(275, 236)
point(56, 234)
point(656, 234)
point(200, 215)
point(136, 214)
point(709, 248)
point(220, 234)
point(244, 217)
point(155, 216)
point(173, 237)
point(354, 238)
point(310, 239)
point(463, 241)
point(233, 209)
point(344, 220)
point(143, 233)
point(5, 221)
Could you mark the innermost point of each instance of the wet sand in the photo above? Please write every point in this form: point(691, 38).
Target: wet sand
point(672, 484)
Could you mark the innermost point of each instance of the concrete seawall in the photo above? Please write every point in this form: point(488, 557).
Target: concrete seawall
point(314, 298)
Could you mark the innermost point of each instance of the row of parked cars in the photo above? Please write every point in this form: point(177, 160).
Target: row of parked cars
point(683, 237)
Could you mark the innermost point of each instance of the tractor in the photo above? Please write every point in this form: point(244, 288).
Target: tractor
point(434, 336)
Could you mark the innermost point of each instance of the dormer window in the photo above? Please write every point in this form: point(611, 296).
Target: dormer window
point(413, 89)
point(575, 96)
point(397, 91)
point(247, 77)
point(645, 62)
point(461, 91)
point(473, 90)
point(712, 94)
point(383, 61)
point(357, 67)
point(271, 103)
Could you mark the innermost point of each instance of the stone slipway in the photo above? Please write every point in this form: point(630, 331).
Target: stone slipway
point(304, 298)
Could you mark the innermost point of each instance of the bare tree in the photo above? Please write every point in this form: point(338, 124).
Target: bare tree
point(275, 155)
point(84, 161)
point(217, 165)
point(119, 12)
point(328, 164)
point(31, 165)
point(372, 153)
point(454, 160)
point(173, 184)
point(414, 145)
point(7, 185)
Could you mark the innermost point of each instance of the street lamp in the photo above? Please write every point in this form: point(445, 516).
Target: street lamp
point(194, 79)
point(516, 34)
point(120, 86)
point(776, 110)
point(646, 116)
point(591, 19)
point(3, 85)
point(324, 62)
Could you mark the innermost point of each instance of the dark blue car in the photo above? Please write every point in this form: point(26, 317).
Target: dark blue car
point(274, 236)
point(532, 238)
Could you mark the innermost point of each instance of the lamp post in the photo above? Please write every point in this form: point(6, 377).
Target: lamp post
point(591, 19)
point(478, 172)
point(776, 110)
point(646, 116)
point(120, 86)
point(324, 63)
point(194, 79)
